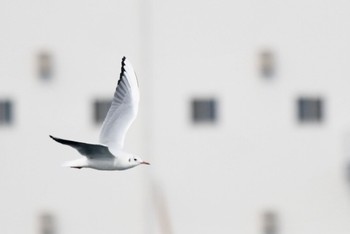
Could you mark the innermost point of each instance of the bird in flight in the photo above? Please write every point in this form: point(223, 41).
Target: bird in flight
point(109, 154)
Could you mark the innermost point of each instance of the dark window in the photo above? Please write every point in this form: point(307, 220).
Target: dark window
point(310, 109)
point(45, 65)
point(270, 223)
point(204, 110)
point(267, 64)
point(348, 171)
point(6, 115)
point(101, 108)
point(47, 224)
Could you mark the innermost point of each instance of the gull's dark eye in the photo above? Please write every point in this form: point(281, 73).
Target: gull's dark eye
point(135, 159)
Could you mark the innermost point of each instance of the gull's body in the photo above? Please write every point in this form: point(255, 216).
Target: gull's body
point(109, 154)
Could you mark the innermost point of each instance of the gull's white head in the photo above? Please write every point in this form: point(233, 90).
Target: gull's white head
point(135, 161)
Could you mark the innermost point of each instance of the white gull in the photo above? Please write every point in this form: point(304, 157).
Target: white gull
point(109, 154)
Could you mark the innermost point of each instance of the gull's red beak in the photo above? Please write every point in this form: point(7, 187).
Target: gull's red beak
point(147, 163)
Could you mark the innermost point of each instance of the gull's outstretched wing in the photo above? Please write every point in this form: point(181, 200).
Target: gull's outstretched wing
point(123, 109)
point(86, 149)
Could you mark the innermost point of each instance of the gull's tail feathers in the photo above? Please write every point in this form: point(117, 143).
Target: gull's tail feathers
point(79, 163)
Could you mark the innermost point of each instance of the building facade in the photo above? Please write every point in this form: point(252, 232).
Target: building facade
point(243, 115)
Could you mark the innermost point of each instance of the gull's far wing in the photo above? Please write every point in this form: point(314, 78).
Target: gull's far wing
point(89, 150)
point(123, 109)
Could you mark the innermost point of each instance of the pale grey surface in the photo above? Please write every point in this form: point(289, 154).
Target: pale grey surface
point(219, 178)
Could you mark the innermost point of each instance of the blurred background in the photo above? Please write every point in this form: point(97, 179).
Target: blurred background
point(244, 116)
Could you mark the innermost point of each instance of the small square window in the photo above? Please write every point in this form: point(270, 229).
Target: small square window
point(270, 223)
point(47, 223)
point(45, 65)
point(101, 108)
point(267, 64)
point(347, 172)
point(6, 115)
point(310, 109)
point(204, 110)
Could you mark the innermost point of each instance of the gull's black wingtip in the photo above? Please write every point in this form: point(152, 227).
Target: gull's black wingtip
point(122, 69)
point(123, 61)
point(56, 139)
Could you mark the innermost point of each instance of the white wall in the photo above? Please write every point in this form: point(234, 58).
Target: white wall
point(218, 178)
point(257, 158)
point(87, 41)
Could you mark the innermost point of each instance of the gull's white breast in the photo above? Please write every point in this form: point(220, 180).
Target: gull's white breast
point(108, 164)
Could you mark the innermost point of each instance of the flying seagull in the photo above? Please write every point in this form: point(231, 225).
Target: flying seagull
point(109, 154)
